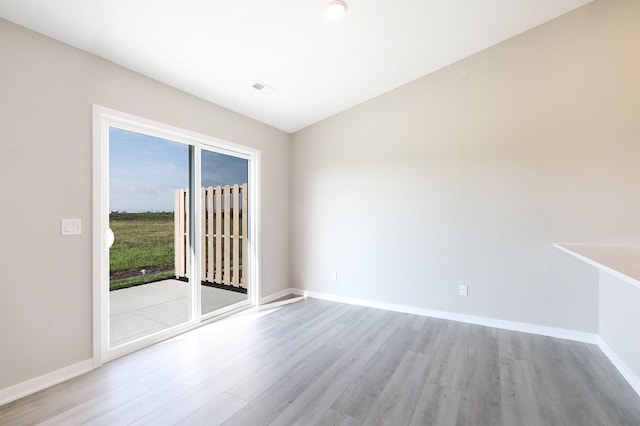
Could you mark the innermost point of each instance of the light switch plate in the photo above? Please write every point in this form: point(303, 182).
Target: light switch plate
point(464, 290)
point(71, 226)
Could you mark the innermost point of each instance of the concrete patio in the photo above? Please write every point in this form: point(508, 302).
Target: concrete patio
point(145, 309)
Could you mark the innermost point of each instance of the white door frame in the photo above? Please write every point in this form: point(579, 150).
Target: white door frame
point(103, 118)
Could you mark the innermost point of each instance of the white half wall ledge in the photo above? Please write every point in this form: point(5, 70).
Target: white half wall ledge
point(620, 261)
point(36, 384)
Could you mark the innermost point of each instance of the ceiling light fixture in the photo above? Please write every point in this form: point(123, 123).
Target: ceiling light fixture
point(335, 10)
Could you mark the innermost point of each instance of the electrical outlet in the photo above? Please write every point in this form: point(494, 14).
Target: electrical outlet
point(464, 290)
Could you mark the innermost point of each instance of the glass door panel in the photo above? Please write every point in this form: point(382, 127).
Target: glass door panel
point(224, 225)
point(149, 217)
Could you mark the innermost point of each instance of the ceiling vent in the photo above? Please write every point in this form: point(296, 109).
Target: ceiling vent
point(263, 87)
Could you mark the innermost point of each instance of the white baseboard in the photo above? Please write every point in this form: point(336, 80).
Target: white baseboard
point(561, 333)
point(620, 365)
point(38, 383)
point(277, 295)
point(20, 390)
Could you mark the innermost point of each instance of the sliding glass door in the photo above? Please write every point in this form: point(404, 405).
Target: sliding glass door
point(174, 232)
point(146, 176)
point(224, 218)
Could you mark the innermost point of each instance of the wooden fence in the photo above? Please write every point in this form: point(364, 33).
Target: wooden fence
point(224, 234)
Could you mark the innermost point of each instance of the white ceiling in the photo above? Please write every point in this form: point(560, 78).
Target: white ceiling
point(217, 49)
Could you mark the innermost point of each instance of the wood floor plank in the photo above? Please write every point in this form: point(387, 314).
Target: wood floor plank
point(332, 418)
point(611, 387)
point(264, 378)
point(273, 401)
point(449, 356)
point(324, 363)
point(83, 413)
point(361, 395)
point(182, 406)
point(258, 362)
point(437, 406)
point(480, 394)
point(65, 396)
point(554, 387)
point(418, 322)
point(215, 412)
point(429, 335)
point(312, 404)
point(518, 396)
point(594, 388)
point(399, 398)
point(166, 393)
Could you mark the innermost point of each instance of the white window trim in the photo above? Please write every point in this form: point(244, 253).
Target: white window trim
point(103, 118)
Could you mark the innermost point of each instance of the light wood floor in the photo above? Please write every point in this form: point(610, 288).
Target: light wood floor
point(322, 363)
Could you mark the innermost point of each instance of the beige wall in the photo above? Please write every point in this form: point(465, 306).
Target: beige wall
point(46, 92)
point(468, 175)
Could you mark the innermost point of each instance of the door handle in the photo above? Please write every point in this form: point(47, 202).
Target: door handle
point(109, 238)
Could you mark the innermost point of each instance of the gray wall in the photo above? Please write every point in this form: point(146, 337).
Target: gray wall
point(46, 92)
point(468, 175)
point(619, 319)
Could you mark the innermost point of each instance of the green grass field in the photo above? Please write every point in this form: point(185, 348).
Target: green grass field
point(142, 241)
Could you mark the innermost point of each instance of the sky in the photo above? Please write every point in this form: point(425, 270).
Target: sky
point(145, 170)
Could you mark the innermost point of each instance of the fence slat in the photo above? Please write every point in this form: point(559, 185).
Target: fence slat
point(203, 236)
point(244, 212)
point(236, 236)
point(226, 263)
point(224, 218)
point(210, 241)
point(187, 220)
point(181, 237)
point(177, 207)
point(218, 214)
point(183, 249)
